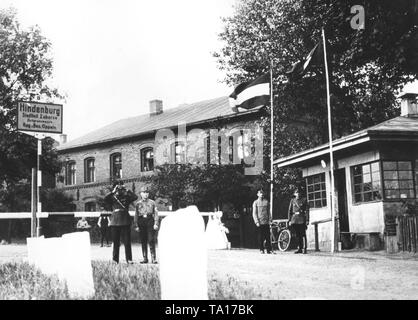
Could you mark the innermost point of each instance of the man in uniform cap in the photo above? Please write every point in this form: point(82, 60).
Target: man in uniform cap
point(298, 216)
point(146, 222)
point(120, 221)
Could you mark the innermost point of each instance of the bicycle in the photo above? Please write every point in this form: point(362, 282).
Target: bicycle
point(280, 235)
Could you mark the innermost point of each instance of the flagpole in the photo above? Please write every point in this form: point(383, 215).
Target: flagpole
point(271, 139)
point(333, 215)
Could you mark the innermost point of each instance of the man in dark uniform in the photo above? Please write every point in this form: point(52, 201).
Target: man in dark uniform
point(262, 219)
point(120, 221)
point(298, 216)
point(146, 222)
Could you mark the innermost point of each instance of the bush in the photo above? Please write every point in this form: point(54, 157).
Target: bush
point(21, 281)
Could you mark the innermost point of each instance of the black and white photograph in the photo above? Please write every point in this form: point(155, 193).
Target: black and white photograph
point(208, 150)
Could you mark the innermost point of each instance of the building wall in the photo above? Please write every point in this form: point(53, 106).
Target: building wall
point(366, 217)
point(131, 165)
point(85, 192)
point(320, 214)
point(324, 236)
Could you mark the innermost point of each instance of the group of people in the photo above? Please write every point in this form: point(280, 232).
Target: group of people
point(146, 221)
point(298, 219)
point(103, 223)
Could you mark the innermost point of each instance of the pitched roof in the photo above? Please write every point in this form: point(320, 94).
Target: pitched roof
point(393, 128)
point(135, 126)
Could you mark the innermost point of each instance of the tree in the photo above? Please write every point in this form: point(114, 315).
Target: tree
point(25, 65)
point(207, 186)
point(367, 67)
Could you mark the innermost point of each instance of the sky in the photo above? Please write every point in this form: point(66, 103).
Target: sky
point(112, 57)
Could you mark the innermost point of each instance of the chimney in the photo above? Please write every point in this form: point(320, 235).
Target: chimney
point(63, 138)
point(409, 106)
point(155, 107)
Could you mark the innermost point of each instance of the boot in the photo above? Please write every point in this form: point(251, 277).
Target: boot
point(144, 253)
point(145, 260)
point(153, 258)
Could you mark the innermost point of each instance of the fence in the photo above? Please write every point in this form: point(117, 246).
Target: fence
point(407, 233)
point(55, 224)
point(77, 214)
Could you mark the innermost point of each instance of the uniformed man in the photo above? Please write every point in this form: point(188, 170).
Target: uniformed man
point(262, 219)
point(298, 216)
point(147, 223)
point(119, 200)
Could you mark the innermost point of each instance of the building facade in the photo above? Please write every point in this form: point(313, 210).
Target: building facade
point(130, 149)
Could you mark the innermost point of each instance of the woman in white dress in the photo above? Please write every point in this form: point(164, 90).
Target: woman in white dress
point(216, 232)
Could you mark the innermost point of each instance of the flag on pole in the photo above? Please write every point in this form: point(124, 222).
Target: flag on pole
point(315, 57)
point(251, 94)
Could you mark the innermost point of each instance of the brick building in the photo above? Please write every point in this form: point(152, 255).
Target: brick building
point(130, 148)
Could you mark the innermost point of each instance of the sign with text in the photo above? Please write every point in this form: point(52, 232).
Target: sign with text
point(39, 117)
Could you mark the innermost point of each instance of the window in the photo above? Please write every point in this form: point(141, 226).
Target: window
point(398, 179)
point(317, 194)
point(244, 146)
point(147, 159)
point(90, 206)
point(367, 185)
point(231, 149)
point(116, 166)
point(70, 173)
point(89, 170)
point(179, 152)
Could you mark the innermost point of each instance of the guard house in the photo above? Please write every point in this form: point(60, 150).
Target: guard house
point(376, 170)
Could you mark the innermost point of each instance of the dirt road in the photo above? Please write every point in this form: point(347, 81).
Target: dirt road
point(346, 275)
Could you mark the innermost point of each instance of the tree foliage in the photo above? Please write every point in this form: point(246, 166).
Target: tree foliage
point(207, 186)
point(25, 66)
point(367, 67)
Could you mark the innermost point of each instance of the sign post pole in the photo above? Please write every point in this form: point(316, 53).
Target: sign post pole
point(39, 137)
point(33, 204)
point(37, 119)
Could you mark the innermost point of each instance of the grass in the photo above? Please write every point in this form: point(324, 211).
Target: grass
point(21, 281)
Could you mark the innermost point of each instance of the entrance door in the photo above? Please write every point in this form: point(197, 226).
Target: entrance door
point(340, 185)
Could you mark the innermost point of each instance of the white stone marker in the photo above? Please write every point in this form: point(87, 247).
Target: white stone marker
point(51, 256)
point(68, 257)
point(76, 266)
point(183, 256)
point(34, 250)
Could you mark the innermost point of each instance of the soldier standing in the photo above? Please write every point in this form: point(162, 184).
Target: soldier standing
point(298, 215)
point(146, 222)
point(262, 219)
point(120, 221)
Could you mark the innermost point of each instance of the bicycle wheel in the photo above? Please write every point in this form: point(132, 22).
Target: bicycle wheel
point(284, 240)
